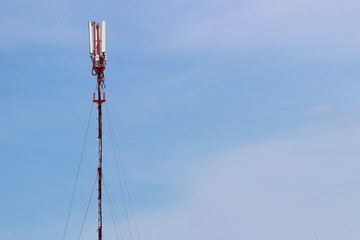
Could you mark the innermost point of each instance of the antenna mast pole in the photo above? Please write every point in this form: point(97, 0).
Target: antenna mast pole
point(97, 49)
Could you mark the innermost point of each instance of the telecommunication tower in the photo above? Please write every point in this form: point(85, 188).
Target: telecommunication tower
point(97, 49)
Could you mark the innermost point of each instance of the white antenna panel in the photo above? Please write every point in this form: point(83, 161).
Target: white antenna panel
point(91, 46)
point(103, 36)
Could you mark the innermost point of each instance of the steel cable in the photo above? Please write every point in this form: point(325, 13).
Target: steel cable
point(87, 208)
point(77, 173)
point(119, 162)
point(113, 213)
point(121, 185)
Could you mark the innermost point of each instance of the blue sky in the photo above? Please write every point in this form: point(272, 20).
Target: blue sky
point(234, 119)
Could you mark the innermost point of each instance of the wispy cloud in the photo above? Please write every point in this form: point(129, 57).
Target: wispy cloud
point(303, 25)
point(295, 188)
point(319, 110)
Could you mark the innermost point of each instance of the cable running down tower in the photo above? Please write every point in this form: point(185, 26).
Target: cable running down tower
point(97, 49)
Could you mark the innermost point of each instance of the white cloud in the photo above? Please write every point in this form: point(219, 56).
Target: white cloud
point(30, 33)
point(319, 110)
point(303, 25)
point(297, 188)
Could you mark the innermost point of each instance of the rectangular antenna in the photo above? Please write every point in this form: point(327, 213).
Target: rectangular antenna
point(91, 46)
point(103, 36)
point(97, 46)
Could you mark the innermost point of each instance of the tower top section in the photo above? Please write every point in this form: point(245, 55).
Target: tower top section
point(97, 46)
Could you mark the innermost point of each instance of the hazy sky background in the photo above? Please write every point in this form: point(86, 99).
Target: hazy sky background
point(234, 119)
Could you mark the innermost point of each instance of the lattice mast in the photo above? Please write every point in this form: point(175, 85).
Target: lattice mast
point(97, 49)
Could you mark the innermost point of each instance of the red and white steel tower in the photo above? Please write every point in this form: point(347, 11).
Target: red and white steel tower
point(97, 49)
